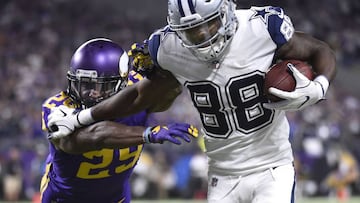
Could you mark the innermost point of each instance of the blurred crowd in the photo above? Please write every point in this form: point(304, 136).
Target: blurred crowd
point(37, 40)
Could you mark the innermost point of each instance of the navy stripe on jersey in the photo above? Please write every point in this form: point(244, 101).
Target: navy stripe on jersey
point(274, 25)
point(278, 24)
point(154, 43)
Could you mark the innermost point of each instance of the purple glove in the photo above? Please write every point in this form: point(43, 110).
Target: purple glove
point(171, 133)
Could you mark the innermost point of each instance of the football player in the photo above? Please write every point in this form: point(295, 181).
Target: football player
point(94, 163)
point(221, 55)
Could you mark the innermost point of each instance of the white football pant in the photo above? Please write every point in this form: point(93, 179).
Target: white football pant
point(275, 185)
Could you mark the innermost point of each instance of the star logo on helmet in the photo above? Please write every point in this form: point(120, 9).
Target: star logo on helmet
point(263, 13)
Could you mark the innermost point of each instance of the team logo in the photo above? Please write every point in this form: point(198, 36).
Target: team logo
point(264, 12)
point(214, 182)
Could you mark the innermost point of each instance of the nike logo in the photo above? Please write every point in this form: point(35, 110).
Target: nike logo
point(63, 112)
point(307, 98)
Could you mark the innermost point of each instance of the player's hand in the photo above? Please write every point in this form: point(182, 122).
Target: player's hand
point(141, 58)
point(62, 121)
point(171, 133)
point(307, 92)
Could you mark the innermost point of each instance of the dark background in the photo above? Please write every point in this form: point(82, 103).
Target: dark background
point(37, 39)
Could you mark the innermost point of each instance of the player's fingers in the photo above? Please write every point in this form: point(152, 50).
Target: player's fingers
point(170, 135)
point(184, 130)
point(269, 106)
point(180, 134)
point(282, 94)
point(52, 136)
point(174, 140)
point(299, 77)
point(50, 116)
point(53, 120)
point(50, 123)
point(53, 128)
point(62, 131)
point(281, 105)
point(193, 131)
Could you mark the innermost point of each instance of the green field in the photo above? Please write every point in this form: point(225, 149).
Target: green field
point(302, 200)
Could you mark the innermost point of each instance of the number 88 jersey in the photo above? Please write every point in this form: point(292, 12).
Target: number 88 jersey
point(241, 136)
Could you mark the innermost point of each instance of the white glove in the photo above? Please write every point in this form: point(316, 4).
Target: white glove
point(306, 93)
point(62, 121)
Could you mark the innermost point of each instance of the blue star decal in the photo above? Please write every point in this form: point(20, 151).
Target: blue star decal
point(263, 13)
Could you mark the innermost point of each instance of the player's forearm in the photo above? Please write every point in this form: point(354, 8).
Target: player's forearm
point(120, 105)
point(105, 134)
point(323, 61)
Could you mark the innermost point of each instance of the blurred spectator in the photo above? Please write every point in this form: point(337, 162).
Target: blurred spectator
point(344, 172)
point(36, 42)
point(198, 179)
point(12, 181)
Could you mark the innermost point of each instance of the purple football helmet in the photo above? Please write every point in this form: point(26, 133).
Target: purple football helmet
point(98, 70)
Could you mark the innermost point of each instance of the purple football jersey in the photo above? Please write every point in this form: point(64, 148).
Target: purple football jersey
point(97, 176)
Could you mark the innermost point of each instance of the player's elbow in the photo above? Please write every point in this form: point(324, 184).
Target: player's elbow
point(69, 146)
point(84, 140)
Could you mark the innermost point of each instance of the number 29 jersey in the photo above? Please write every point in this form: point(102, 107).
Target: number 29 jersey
point(95, 176)
point(241, 136)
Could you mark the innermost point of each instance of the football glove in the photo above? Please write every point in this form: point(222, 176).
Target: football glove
point(141, 62)
point(307, 92)
point(171, 133)
point(62, 121)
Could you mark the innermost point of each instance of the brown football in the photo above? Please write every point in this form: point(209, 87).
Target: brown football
point(280, 77)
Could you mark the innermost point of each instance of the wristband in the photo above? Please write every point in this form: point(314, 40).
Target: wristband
point(84, 117)
point(146, 135)
point(324, 83)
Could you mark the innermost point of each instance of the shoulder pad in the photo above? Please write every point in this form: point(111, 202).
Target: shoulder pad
point(278, 24)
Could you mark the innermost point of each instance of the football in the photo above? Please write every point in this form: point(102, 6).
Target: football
point(280, 77)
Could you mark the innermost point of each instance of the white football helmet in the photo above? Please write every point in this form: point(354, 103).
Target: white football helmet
point(205, 26)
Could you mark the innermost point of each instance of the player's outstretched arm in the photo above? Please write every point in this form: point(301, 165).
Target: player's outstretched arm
point(113, 135)
point(155, 93)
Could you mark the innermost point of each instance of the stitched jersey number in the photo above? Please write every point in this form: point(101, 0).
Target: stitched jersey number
point(103, 163)
point(244, 95)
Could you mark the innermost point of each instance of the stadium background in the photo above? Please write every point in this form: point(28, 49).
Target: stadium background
point(37, 39)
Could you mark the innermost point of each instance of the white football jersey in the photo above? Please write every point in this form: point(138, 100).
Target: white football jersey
point(242, 136)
